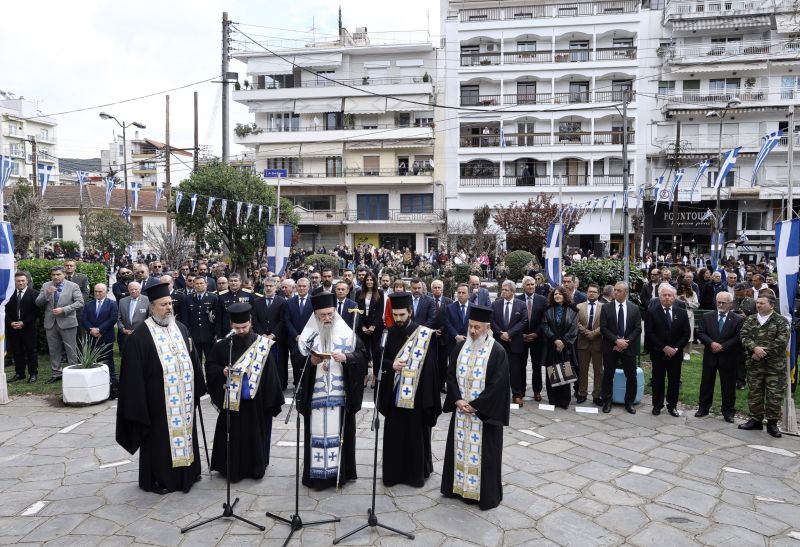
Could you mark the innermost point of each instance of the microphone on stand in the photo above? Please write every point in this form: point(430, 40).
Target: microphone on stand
point(311, 339)
point(229, 334)
point(384, 336)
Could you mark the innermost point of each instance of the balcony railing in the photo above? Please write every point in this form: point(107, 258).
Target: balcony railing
point(321, 82)
point(480, 100)
point(14, 151)
point(361, 172)
point(525, 57)
point(474, 59)
point(546, 139)
point(540, 180)
point(746, 95)
point(565, 97)
point(549, 56)
point(615, 54)
point(611, 7)
point(710, 8)
point(735, 51)
point(346, 127)
point(394, 215)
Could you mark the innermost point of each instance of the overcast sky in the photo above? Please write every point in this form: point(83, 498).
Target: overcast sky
point(82, 54)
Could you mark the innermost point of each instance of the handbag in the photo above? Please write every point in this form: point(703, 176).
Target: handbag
point(562, 373)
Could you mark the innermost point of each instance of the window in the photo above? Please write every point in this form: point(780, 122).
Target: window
point(416, 203)
point(275, 81)
point(423, 119)
point(333, 166)
point(283, 121)
point(582, 53)
point(44, 134)
point(754, 220)
point(726, 45)
point(372, 165)
point(290, 164)
point(373, 206)
point(622, 42)
point(404, 119)
point(526, 92)
point(470, 95)
point(569, 131)
point(57, 231)
point(425, 161)
point(691, 86)
point(579, 92)
point(724, 87)
point(333, 120)
point(324, 78)
point(526, 46)
point(790, 85)
point(524, 134)
point(411, 74)
point(315, 203)
point(16, 149)
point(369, 121)
point(729, 180)
point(480, 168)
point(377, 75)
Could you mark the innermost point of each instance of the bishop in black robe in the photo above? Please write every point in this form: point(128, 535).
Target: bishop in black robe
point(251, 425)
point(492, 408)
point(407, 431)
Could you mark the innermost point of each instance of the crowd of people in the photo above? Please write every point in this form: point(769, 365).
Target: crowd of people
point(202, 328)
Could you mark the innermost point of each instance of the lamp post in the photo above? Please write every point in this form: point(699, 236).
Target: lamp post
point(721, 113)
point(124, 126)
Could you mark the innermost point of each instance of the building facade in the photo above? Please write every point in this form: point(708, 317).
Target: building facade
point(23, 128)
point(351, 122)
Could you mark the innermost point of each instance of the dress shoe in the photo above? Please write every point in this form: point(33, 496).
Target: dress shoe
point(700, 413)
point(630, 409)
point(565, 407)
point(518, 401)
point(751, 424)
point(728, 419)
point(655, 411)
point(580, 399)
point(53, 380)
point(607, 407)
point(740, 387)
point(537, 396)
point(673, 412)
point(32, 379)
point(598, 401)
point(772, 429)
point(16, 378)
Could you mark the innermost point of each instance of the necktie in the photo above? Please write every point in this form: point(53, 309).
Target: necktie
point(131, 310)
point(530, 307)
point(269, 302)
point(668, 316)
point(463, 312)
point(437, 304)
point(99, 305)
point(591, 315)
point(19, 305)
point(340, 308)
point(508, 313)
point(621, 322)
point(721, 321)
point(416, 301)
point(69, 278)
point(56, 295)
point(302, 303)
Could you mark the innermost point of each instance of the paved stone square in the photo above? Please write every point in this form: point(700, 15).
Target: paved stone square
point(569, 479)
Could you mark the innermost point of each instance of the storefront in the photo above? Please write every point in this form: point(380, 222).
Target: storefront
point(692, 229)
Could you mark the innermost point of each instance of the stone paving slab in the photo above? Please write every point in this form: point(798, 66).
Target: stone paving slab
point(569, 479)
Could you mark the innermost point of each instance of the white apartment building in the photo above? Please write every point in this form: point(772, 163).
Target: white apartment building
point(740, 58)
point(351, 122)
point(540, 88)
point(146, 159)
point(22, 125)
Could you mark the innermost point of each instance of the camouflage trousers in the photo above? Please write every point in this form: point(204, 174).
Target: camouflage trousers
point(766, 382)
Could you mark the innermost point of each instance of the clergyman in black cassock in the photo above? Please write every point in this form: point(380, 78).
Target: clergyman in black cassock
point(160, 354)
point(407, 429)
point(478, 395)
point(251, 421)
point(330, 395)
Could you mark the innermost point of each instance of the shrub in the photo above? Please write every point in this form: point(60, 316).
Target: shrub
point(69, 247)
point(606, 271)
point(461, 273)
point(517, 263)
point(320, 261)
point(40, 271)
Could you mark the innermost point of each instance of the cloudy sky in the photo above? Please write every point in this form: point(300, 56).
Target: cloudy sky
point(84, 54)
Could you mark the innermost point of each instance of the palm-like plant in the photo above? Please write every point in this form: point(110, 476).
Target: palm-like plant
point(90, 353)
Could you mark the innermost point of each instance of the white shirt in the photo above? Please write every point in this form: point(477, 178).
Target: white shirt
point(763, 318)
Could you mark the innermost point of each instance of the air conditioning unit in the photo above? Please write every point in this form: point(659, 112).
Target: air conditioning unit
point(490, 47)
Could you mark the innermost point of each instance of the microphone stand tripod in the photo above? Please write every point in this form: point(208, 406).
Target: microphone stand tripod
point(227, 507)
point(295, 522)
point(372, 518)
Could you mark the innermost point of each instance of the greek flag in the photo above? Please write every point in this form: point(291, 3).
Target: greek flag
point(657, 191)
point(82, 176)
point(787, 259)
point(126, 213)
point(6, 276)
point(249, 212)
point(238, 211)
point(552, 260)
point(109, 189)
point(210, 205)
point(728, 161)
point(675, 185)
point(707, 216)
point(279, 243)
point(159, 193)
point(613, 208)
point(702, 167)
point(6, 166)
point(717, 249)
point(770, 142)
point(135, 187)
point(44, 176)
point(194, 203)
point(222, 208)
point(594, 206)
point(178, 199)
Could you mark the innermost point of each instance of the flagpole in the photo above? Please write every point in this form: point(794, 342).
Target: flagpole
point(790, 204)
point(626, 254)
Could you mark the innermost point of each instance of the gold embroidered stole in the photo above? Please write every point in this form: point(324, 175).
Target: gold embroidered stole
point(251, 363)
point(413, 353)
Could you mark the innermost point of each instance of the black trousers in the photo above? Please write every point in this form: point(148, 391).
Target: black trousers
point(281, 355)
point(534, 351)
point(517, 369)
point(442, 357)
point(669, 369)
point(612, 360)
point(22, 343)
point(727, 379)
point(204, 349)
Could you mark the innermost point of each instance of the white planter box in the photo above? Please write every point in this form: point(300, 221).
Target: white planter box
point(85, 386)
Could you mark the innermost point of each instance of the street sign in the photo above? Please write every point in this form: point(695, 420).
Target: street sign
point(275, 173)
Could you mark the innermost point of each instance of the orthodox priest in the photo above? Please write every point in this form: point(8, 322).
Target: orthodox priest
point(254, 397)
point(478, 394)
point(330, 395)
point(160, 384)
point(409, 397)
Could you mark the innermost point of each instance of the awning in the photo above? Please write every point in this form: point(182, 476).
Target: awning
point(714, 67)
point(282, 150)
point(362, 145)
point(279, 105)
point(321, 149)
point(408, 143)
point(269, 66)
point(317, 106)
point(749, 21)
point(408, 103)
point(316, 59)
point(365, 105)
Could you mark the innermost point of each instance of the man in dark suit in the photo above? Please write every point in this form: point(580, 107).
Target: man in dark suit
point(177, 296)
point(457, 318)
point(202, 272)
point(82, 280)
point(667, 332)
point(477, 294)
point(570, 283)
point(441, 302)
point(535, 304)
point(327, 282)
point(180, 280)
point(344, 304)
point(424, 310)
point(141, 273)
point(21, 315)
point(98, 320)
point(509, 317)
point(296, 313)
point(120, 287)
point(620, 328)
point(650, 288)
point(199, 316)
point(719, 333)
point(268, 320)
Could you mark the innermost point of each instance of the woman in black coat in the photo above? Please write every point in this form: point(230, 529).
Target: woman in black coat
point(370, 322)
point(559, 332)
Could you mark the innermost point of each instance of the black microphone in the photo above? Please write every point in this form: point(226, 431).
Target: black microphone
point(311, 339)
point(229, 334)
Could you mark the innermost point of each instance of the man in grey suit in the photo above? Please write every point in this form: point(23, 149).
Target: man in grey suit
point(133, 311)
point(62, 301)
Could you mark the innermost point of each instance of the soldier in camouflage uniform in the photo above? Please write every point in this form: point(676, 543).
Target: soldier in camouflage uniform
point(764, 337)
point(743, 306)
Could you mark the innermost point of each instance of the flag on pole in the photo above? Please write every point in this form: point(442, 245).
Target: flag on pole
point(6, 283)
point(717, 249)
point(269, 214)
point(249, 211)
point(770, 142)
point(223, 207)
point(44, 176)
point(178, 199)
point(702, 167)
point(82, 176)
point(596, 203)
point(210, 205)
point(6, 167)
point(707, 216)
point(552, 260)
point(238, 211)
point(675, 185)
point(279, 243)
point(728, 161)
point(126, 214)
point(159, 193)
point(787, 259)
point(193, 199)
point(135, 187)
point(109, 189)
point(657, 191)
point(613, 208)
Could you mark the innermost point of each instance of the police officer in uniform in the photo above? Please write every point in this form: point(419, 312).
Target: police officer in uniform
point(233, 294)
point(199, 316)
point(175, 294)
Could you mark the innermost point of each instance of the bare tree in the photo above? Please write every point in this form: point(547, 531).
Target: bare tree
point(30, 218)
point(171, 247)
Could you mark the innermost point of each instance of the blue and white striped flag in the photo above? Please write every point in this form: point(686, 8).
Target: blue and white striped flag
point(126, 214)
point(6, 277)
point(728, 161)
point(787, 260)
point(260, 211)
point(159, 193)
point(178, 200)
point(238, 211)
point(82, 176)
point(613, 208)
point(770, 142)
point(717, 249)
point(109, 189)
point(249, 212)
point(594, 206)
point(210, 205)
point(135, 192)
point(702, 167)
point(657, 191)
point(675, 185)
point(707, 216)
point(222, 208)
point(502, 137)
point(194, 203)
point(552, 260)
point(44, 176)
point(6, 167)
point(279, 244)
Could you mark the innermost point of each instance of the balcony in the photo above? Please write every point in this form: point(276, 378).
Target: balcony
point(394, 215)
point(549, 56)
point(546, 11)
point(709, 144)
point(474, 59)
point(734, 52)
point(319, 217)
point(682, 9)
point(386, 176)
point(315, 89)
point(546, 139)
point(750, 96)
point(527, 57)
point(14, 151)
point(343, 127)
point(566, 97)
point(333, 82)
point(541, 180)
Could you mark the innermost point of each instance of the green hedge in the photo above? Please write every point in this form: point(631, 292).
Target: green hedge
point(40, 271)
point(461, 273)
point(606, 271)
point(517, 263)
point(319, 261)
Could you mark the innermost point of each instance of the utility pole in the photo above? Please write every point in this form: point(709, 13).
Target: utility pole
point(35, 165)
point(626, 254)
point(168, 179)
point(675, 201)
point(789, 199)
point(196, 138)
point(225, 89)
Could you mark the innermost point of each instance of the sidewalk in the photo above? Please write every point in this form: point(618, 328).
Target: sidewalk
point(570, 479)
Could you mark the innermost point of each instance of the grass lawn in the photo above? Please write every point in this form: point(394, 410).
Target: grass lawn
point(690, 385)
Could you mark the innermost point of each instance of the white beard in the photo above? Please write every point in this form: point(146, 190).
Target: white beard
point(473, 344)
point(165, 322)
point(325, 335)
